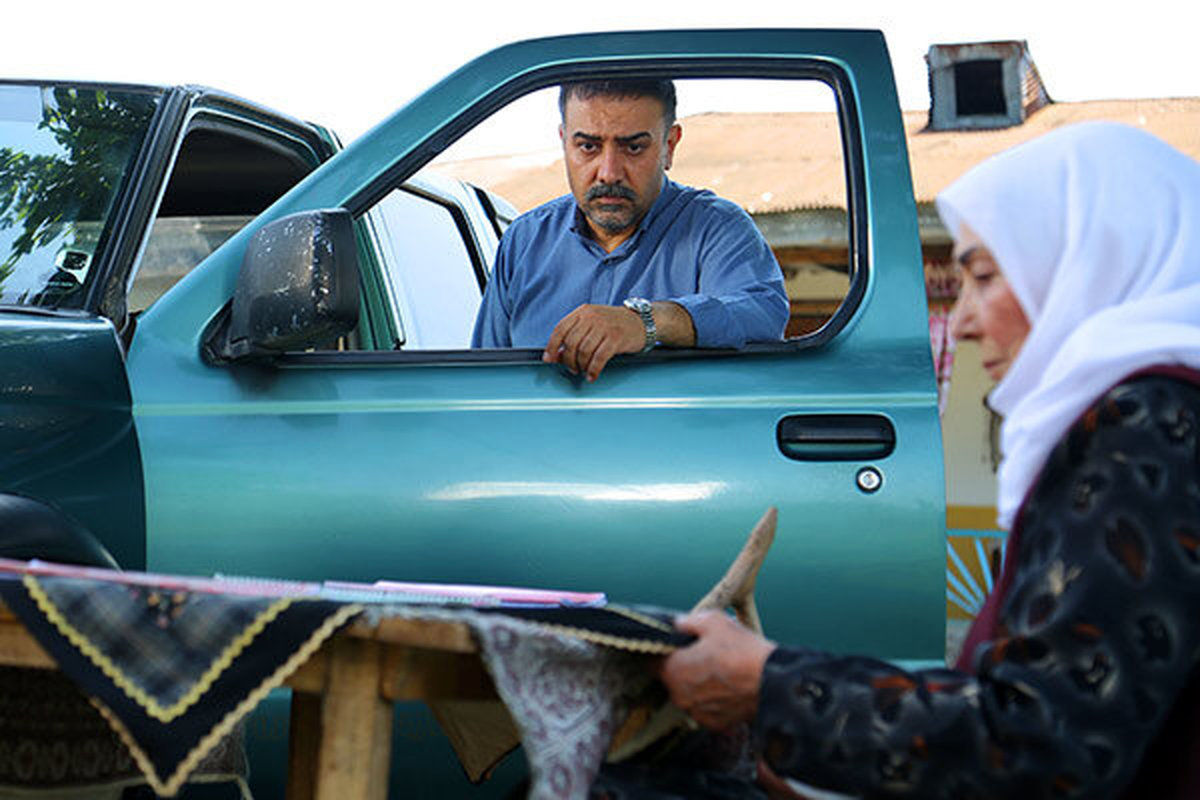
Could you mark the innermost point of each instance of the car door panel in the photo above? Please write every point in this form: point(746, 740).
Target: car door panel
point(462, 467)
point(642, 485)
point(66, 431)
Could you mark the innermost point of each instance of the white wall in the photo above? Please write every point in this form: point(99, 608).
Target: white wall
point(969, 477)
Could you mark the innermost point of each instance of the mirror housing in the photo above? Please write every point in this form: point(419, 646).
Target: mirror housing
point(298, 287)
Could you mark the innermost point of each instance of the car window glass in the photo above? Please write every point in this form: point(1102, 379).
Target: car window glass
point(174, 246)
point(428, 267)
point(774, 147)
point(65, 155)
point(223, 176)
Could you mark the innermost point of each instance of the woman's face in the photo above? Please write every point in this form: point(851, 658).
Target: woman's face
point(987, 311)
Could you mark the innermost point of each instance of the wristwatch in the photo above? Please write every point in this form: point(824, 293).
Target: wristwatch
point(642, 307)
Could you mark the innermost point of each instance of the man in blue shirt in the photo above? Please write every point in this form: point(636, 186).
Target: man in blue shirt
point(629, 259)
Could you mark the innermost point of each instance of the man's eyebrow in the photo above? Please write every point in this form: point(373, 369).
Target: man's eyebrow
point(625, 140)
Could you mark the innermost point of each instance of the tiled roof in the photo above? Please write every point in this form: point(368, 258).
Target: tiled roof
point(787, 161)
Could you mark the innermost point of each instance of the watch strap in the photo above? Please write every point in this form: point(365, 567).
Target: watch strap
point(642, 307)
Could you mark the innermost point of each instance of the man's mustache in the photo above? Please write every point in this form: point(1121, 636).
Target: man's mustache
point(610, 190)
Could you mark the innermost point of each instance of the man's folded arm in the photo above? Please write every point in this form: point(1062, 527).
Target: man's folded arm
point(755, 314)
point(740, 296)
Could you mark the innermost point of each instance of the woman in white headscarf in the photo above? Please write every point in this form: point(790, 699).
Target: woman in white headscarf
point(1080, 262)
point(1097, 232)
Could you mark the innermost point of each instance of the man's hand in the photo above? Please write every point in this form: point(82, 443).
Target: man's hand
point(715, 680)
point(585, 339)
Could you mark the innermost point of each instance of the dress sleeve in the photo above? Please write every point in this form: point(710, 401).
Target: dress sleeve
point(740, 297)
point(1096, 637)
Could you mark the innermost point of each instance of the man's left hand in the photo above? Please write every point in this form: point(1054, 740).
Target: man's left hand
point(585, 339)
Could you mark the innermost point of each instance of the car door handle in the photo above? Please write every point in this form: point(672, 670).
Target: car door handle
point(835, 437)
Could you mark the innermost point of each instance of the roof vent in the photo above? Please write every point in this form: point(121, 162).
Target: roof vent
point(982, 85)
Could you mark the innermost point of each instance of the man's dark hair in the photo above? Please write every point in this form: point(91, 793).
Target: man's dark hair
point(661, 90)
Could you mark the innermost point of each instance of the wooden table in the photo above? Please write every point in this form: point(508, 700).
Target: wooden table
point(341, 729)
point(340, 738)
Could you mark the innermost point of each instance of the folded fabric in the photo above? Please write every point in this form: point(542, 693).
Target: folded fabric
point(635, 629)
point(172, 671)
point(173, 664)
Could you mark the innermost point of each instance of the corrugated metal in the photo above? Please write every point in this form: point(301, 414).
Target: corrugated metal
point(1034, 96)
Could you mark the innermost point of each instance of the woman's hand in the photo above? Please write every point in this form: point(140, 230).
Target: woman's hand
point(715, 680)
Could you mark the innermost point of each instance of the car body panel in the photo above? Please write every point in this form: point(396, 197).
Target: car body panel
point(66, 431)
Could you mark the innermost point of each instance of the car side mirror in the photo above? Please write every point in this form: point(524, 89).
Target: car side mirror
point(298, 287)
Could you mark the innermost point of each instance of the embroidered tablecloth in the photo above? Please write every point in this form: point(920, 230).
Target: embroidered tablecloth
point(174, 664)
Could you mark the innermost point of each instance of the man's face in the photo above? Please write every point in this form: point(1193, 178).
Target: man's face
point(616, 150)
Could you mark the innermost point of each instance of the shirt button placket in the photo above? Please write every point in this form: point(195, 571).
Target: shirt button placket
point(602, 285)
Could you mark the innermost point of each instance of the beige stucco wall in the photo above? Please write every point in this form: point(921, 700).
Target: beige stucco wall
point(970, 482)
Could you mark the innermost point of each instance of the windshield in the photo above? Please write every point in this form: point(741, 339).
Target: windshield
point(64, 154)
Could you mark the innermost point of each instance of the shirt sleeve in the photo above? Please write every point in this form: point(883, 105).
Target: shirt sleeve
point(1097, 637)
point(493, 321)
point(740, 297)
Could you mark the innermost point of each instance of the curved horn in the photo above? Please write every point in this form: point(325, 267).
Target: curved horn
point(736, 587)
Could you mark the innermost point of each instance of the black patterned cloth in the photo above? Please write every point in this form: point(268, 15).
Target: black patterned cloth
point(689, 765)
point(53, 739)
point(50, 736)
point(169, 671)
point(638, 629)
point(172, 672)
point(1083, 685)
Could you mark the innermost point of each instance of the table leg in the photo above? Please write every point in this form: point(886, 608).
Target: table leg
point(304, 743)
point(356, 725)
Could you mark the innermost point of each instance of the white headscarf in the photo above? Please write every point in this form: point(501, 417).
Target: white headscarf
point(1096, 228)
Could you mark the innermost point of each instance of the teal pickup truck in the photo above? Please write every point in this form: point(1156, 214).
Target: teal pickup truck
point(301, 402)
